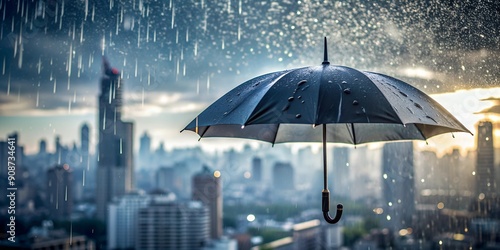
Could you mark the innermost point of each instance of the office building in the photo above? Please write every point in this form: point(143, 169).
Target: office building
point(166, 178)
point(283, 176)
point(145, 151)
point(60, 192)
point(340, 171)
point(398, 187)
point(257, 170)
point(170, 224)
point(115, 157)
point(207, 188)
point(84, 146)
point(485, 171)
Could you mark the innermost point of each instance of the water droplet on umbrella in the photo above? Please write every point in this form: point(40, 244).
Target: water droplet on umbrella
point(344, 82)
point(355, 102)
point(299, 97)
point(418, 106)
point(286, 107)
point(330, 82)
point(302, 101)
point(242, 126)
point(347, 91)
point(298, 115)
point(411, 111)
point(403, 93)
point(301, 82)
point(290, 98)
point(225, 113)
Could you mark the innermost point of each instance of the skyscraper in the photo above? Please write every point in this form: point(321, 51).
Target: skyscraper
point(207, 189)
point(170, 224)
point(398, 185)
point(485, 172)
point(84, 146)
point(341, 171)
point(283, 177)
point(145, 150)
point(42, 149)
point(60, 191)
point(166, 178)
point(115, 156)
point(257, 170)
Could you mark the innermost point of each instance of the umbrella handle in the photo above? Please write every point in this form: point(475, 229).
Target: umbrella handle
point(326, 208)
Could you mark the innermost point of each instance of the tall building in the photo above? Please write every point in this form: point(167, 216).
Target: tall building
point(42, 149)
point(145, 151)
point(84, 146)
point(207, 188)
point(257, 169)
point(485, 171)
point(283, 176)
point(340, 173)
point(123, 218)
point(398, 185)
point(170, 224)
point(115, 157)
point(166, 178)
point(60, 191)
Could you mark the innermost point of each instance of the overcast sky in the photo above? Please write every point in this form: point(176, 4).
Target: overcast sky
point(176, 57)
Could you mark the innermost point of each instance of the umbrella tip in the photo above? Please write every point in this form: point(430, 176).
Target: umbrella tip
point(325, 57)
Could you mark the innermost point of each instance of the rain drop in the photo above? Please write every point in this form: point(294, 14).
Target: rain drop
point(347, 91)
point(418, 106)
point(355, 102)
point(302, 82)
point(344, 82)
point(403, 93)
point(298, 115)
point(290, 98)
point(411, 111)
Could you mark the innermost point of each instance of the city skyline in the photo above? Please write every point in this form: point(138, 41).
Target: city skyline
point(464, 104)
point(175, 66)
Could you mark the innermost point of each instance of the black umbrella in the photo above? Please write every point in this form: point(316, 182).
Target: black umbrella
point(351, 106)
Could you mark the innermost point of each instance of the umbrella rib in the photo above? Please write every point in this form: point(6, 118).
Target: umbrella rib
point(204, 131)
point(353, 134)
point(276, 134)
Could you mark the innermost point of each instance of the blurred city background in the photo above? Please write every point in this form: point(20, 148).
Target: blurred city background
point(94, 93)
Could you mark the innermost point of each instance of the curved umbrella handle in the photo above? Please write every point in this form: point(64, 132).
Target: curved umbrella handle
point(326, 208)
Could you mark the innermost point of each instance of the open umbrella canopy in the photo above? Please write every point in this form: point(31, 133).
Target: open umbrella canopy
point(357, 106)
point(351, 106)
